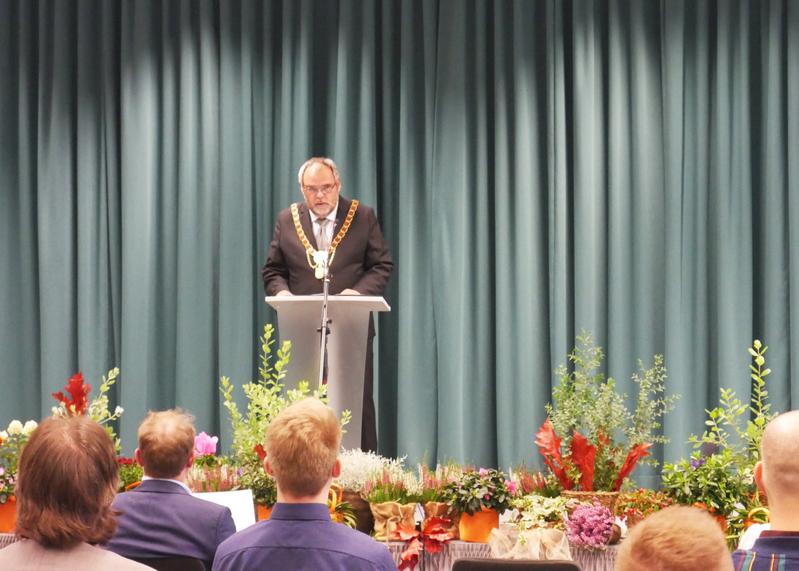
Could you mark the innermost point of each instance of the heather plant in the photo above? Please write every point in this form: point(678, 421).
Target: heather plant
point(590, 525)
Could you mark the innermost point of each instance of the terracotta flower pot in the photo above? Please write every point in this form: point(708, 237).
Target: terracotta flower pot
point(477, 527)
point(365, 522)
point(263, 512)
point(8, 515)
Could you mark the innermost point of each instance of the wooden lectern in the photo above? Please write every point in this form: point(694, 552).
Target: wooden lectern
point(299, 318)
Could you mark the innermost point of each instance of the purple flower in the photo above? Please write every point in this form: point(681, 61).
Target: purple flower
point(590, 526)
point(205, 445)
point(696, 462)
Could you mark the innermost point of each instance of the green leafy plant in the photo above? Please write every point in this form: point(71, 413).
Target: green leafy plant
point(538, 511)
point(12, 441)
point(266, 398)
point(722, 482)
point(476, 489)
point(130, 473)
point(590, 440)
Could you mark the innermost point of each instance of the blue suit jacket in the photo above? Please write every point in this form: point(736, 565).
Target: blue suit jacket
point(160, 519)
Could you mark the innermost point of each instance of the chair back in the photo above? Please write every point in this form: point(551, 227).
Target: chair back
point(174, 563)
point(513, 565)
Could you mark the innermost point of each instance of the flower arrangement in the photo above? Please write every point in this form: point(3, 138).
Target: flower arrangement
point(359, 467)
point(392, 486)
point(434, 482)
point(478, 489)
point(12, 440)
point(590, 525)
point(534, 482)
point(215, 477)
point(77, 403)
point(130, 473)
point(540, 512)
point(722, 482)
point(590, 440)
point(635, 506)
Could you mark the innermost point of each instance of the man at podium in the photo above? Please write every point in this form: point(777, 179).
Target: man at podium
point(359, 262)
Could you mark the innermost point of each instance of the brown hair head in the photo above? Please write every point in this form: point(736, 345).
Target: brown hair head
point(166, 441)
point(678, 538)
point(67, 480)
point(302, 445)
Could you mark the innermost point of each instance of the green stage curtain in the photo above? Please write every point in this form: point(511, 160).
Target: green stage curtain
point(539, 167)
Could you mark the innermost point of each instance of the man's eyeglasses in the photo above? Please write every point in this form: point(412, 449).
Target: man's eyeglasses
point(326, 189)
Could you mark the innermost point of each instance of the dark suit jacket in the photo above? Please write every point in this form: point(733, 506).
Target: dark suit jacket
point(362, 260)
point(160, 519)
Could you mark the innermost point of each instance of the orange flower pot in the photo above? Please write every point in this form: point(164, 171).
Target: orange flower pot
point(8, 515)
point(477, 527)
point(263, 512)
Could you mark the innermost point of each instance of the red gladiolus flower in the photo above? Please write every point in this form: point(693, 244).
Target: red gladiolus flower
point(78, 390)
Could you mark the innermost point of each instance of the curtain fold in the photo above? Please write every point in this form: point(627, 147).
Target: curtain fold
point(539, 168)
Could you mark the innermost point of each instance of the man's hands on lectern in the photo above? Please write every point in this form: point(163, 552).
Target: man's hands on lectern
point(349, 291)
point(283, 292)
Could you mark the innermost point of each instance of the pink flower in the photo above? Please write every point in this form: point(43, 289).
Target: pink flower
point(483, 472)
point(511, 485)
point(205, 445)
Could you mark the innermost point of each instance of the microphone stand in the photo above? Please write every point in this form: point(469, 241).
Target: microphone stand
point(324, 329)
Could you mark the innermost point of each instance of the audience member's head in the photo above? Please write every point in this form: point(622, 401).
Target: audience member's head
point(302, 445)
point(678, 538)
point(777, 474)
point(67, 481)
point(166, 444)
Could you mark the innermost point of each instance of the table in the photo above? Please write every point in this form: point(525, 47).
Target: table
point(587, 559)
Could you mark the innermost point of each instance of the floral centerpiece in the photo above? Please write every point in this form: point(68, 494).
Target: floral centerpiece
point(432, 496)
point(541, 512)
point(480, 496)
point(636, 505)
point(392, 498)
point(357, 469)
point(209, 472)
point(590, 525)
point(130, 473)
point(76, 402)
point(266, 398)
point(591, 441)
point(12, 440)
point(719, 474)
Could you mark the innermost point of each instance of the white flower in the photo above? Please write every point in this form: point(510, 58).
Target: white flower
point(15, 427)
point(29, 427)
point(118, 411)
point(3, 435)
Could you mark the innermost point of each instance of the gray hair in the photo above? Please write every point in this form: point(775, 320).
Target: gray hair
point(328, 162)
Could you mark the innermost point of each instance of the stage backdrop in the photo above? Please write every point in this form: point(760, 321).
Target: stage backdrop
point(538, 167)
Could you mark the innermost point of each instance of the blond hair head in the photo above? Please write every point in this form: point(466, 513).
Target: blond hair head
point(166, 442)
point(302, 446)
point(678, 538)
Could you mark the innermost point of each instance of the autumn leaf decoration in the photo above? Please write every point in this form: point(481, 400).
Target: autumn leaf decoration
point(78, 390)
point(549, 445)
point(584, 457)
point(636, 453)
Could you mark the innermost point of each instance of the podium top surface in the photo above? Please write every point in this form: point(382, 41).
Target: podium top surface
point(356, 302)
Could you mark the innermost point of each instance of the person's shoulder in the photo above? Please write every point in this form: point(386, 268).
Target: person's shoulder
point(114, 561)
point(249, 537)
point(361, 545)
